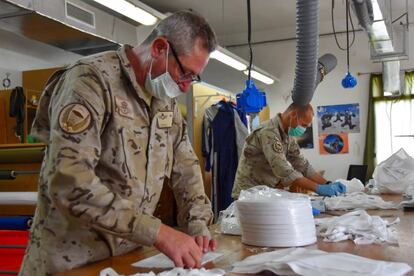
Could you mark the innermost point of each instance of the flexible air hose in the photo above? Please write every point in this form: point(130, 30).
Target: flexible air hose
point(307, 31)
point(364, 12)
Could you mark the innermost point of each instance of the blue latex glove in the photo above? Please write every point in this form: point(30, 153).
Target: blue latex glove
point(315, 212)
point(331, 189)
point(341, 187)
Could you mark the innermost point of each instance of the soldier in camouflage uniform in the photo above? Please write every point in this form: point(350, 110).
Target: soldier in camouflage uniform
point(272, 157)
point(113, 133)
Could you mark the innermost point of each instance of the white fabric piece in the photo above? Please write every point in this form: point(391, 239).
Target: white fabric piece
point(174, 272)
point(395, 174)
point(358, 226)
point(20, 198)
point(162, 261)
point(353, 185)
point(109, 271)
point(193, 272)
point(358, 200)
point(302, 261)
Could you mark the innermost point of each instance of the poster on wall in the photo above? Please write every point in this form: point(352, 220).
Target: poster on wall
point(306, 140)
point(338, 118)
point(333, 143)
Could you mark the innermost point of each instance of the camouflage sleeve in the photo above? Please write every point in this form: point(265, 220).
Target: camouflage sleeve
point(77, 111)
point(194, 207)
point(273, 150)
point(298, 161)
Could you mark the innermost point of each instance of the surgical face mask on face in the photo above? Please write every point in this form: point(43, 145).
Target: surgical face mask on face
point(163, 85)
point(296, 131)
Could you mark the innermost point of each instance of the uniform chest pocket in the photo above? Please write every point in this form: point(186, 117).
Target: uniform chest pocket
point(135, 146)
point(293, 149)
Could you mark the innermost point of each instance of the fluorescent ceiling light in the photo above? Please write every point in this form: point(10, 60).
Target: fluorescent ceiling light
point(259, 76)
point(129, 10)
point(226, 59)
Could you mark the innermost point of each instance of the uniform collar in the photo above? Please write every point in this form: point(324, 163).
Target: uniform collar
point(282, 132)
point(129, 72)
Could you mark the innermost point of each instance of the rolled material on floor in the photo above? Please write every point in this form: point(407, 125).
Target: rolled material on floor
point(15, 223)
point(18, 198)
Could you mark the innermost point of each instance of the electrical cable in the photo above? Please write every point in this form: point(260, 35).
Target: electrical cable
point(347, 33)
point(334, 30)
point(249, 36)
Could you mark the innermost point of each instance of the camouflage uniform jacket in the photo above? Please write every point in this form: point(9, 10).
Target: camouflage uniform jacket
point(109, 147)
point(270, 157)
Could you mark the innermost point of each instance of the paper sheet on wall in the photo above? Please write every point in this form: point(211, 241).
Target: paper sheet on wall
point(162, 261)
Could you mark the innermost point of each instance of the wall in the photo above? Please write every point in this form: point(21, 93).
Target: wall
point(19, 53)
point(279, 59)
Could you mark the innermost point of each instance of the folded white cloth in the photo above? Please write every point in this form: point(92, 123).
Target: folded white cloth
point(353, 185)
point(162, 261)
point(174, 272)
point(193, 272)
point(302, 261)
point(358, 200)
point(358, 226)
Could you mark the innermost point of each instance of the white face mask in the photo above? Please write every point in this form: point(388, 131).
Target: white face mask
point(163, 85)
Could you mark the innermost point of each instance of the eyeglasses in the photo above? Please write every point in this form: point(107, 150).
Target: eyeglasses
point(185, 76)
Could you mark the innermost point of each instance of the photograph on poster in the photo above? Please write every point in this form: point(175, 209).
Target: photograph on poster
point(306, 140)
point(333, 143)
point(338, 118)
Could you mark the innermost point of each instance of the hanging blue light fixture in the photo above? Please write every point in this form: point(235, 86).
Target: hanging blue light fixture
point(251, 100)
point(349, 81)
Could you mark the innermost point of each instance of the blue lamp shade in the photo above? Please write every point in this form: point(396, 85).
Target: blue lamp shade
point(349, 81)
point(251, 100)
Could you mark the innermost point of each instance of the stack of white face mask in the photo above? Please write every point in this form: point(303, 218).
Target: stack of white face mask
point(271, 217)
point(301, 261)
point(357, 226)
point(358, 200)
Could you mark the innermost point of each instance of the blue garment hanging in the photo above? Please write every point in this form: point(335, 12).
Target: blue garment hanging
point(220, 149)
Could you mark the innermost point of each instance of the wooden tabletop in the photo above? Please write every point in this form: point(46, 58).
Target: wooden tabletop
point(234, 250)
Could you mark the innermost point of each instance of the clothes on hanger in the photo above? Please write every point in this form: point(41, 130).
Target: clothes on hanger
point(17, 109)
point(222, 143)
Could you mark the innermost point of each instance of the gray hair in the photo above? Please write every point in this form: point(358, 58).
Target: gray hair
point(182, 29)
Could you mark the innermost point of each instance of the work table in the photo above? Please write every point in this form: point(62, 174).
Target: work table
point(234, 250)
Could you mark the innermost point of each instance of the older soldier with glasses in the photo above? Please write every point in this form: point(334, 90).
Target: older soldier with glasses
point(113, 135)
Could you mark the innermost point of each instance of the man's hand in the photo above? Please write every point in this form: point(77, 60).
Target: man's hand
point(205, 243)
point(179, 247)
point(332, 189)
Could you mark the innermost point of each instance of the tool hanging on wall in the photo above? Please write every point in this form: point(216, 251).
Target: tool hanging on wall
point(6, 81)
point(251, 100)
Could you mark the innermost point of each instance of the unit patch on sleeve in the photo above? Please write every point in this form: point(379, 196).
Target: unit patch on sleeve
point(277, 146)
point(74, 118)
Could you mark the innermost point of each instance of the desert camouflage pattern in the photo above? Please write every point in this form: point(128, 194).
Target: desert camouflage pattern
point(270, 157)
point(109, 148)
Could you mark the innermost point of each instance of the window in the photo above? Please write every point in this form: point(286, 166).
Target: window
point(394, 119)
